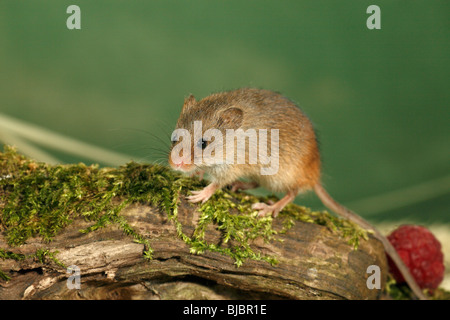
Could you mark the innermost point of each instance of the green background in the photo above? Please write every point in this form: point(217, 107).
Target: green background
point(378, 98)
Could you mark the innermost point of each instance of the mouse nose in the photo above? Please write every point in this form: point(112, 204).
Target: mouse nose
point(179, 165)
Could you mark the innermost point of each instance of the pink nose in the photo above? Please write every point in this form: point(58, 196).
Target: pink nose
point(179, 165)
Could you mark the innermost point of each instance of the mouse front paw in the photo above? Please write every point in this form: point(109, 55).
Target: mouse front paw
point(202, 195)
point(198, 196)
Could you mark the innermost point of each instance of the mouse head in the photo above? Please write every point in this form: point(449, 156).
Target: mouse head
point(200, 133)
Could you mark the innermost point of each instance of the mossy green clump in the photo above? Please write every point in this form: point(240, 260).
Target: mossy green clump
point(401, 291)
point(241, 228)
point(40, 200)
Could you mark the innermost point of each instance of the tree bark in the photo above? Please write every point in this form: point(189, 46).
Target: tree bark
point(314, 263)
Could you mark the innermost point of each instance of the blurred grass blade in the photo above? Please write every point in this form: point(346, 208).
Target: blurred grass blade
point(403, 197)
point(20, 129)
point(27, 148)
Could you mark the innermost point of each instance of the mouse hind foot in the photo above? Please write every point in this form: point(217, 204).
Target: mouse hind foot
point(274, 208)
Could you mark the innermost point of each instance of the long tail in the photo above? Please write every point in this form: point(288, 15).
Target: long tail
point(329, 202)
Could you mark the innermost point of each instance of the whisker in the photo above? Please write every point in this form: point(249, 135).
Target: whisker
point(163, 125)
point(158, 148)
point(156, 137)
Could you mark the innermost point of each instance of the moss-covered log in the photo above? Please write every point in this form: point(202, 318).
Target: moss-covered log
point(132, 235)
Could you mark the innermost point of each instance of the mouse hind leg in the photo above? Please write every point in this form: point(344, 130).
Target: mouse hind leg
point(242, 185)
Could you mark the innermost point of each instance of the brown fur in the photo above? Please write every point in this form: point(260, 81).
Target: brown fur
point(261, 109)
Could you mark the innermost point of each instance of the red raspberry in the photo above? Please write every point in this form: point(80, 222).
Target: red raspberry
point(421, 253)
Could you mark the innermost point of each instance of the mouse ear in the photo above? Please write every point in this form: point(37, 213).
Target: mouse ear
point(231, 118)
point(189, 102)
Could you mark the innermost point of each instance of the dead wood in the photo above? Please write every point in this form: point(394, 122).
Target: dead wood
point(314, 263)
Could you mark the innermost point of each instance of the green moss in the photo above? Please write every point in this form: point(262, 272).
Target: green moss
point(345, 228)
point(11, 255)
point(4, 276)
point(401, 291)
point(40, 200)
point(398, 291)
point(43, 256)
point(240, 228)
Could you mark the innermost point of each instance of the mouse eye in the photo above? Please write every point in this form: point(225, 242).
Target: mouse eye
point(202, 143)
point(174, 139)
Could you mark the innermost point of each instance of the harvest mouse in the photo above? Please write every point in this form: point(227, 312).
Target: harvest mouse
point(278, 150)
